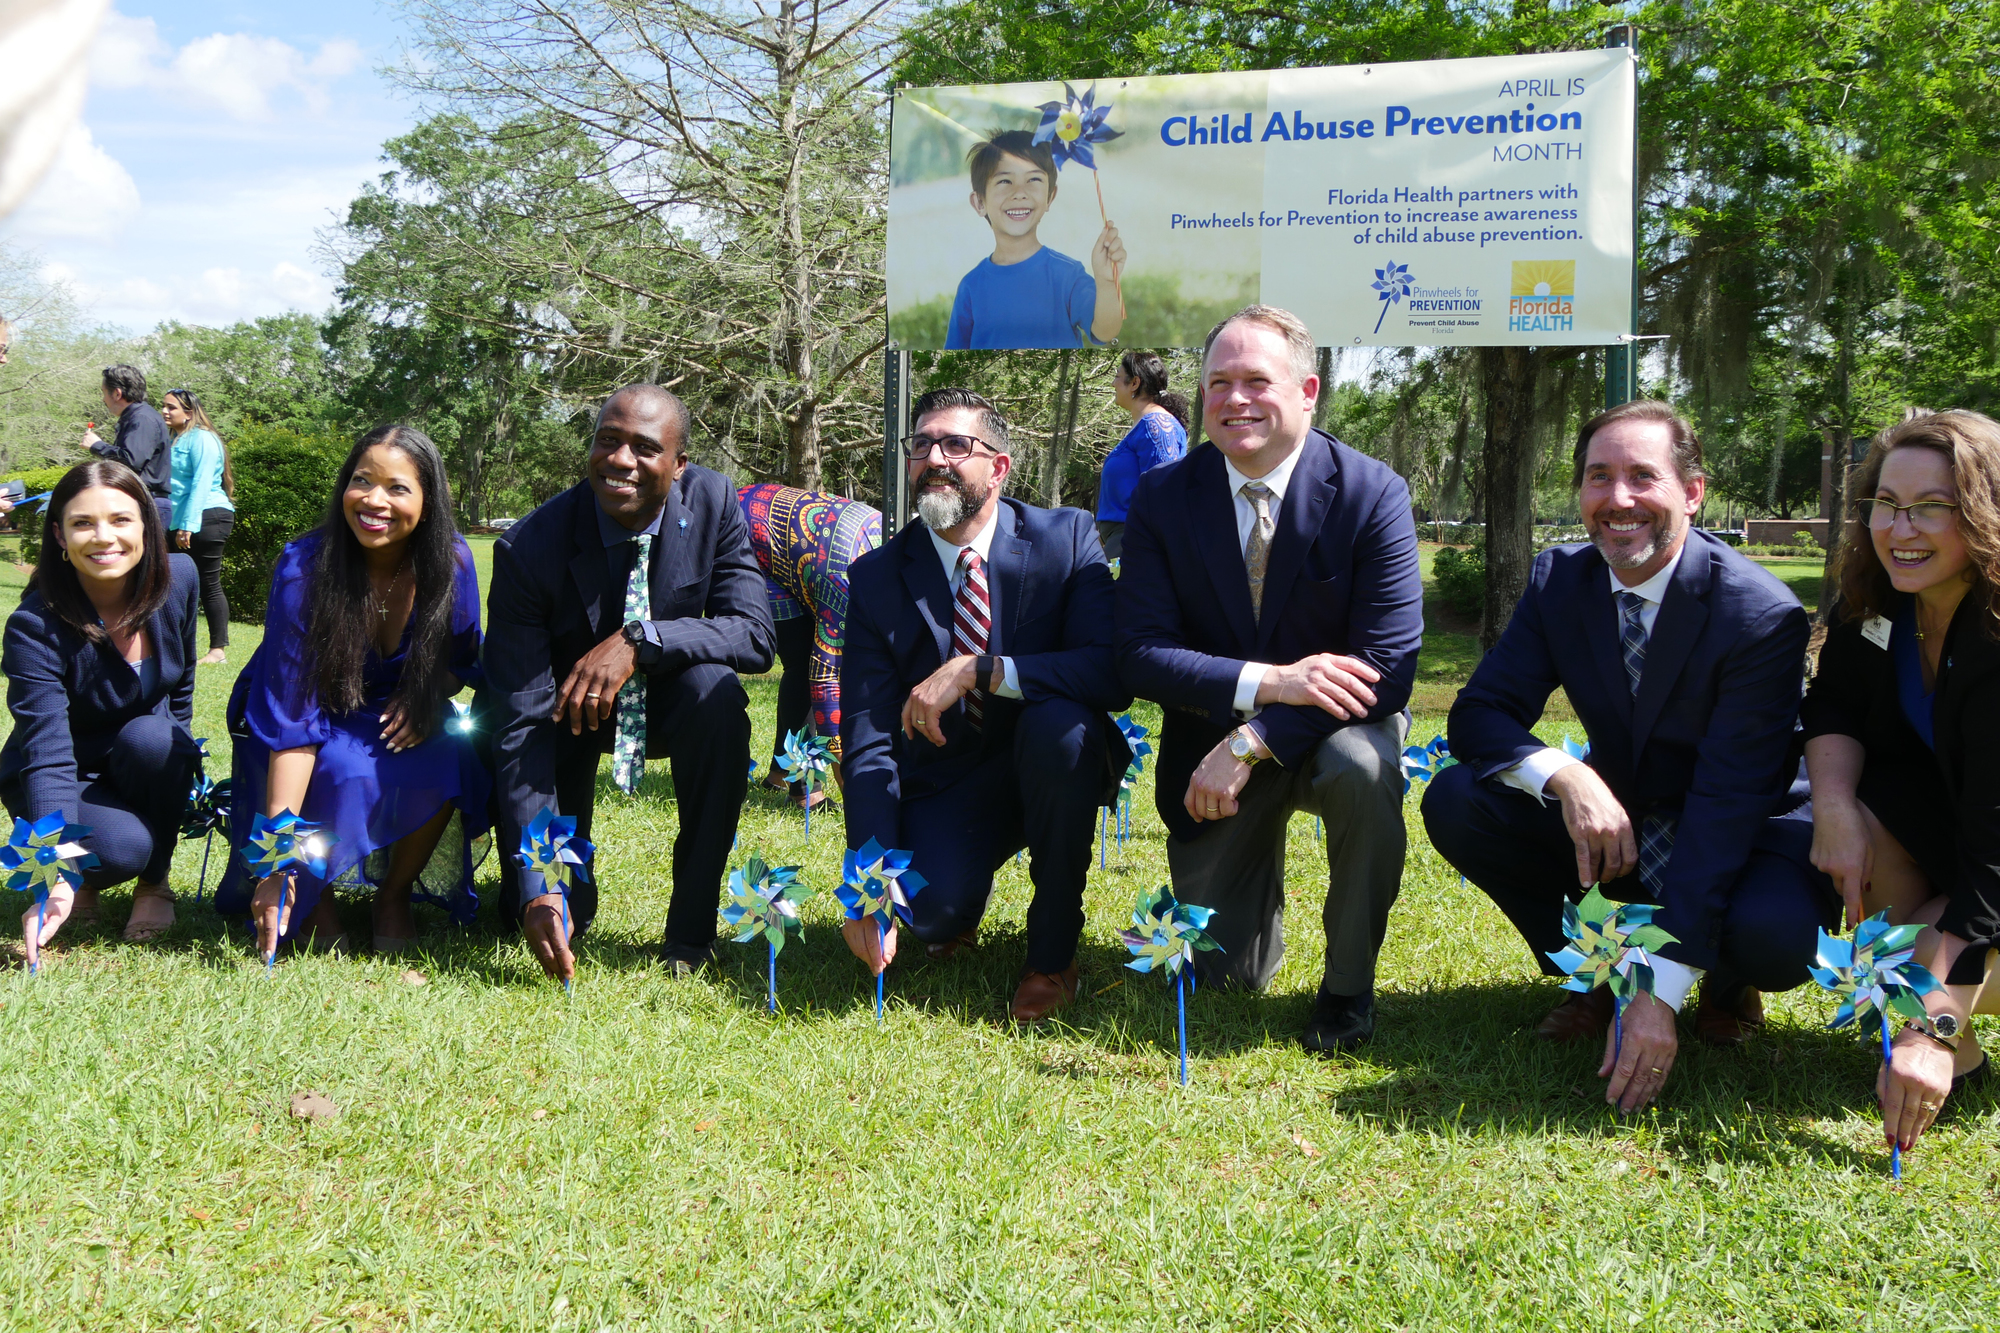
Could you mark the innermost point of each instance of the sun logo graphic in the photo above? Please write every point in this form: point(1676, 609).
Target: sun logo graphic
point(1392, 284)
point(1543, 296)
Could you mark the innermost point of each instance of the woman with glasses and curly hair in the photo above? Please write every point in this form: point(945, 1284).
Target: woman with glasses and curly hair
point(203, 507)
point(1902, 730)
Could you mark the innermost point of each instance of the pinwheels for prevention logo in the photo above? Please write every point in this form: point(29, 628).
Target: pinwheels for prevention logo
point(1392, 284)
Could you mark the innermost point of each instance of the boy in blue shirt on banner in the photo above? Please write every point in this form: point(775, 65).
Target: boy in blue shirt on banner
point(1025, 294)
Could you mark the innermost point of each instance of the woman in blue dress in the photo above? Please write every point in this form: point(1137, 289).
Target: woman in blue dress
point(340, 715)
point(1158, 435)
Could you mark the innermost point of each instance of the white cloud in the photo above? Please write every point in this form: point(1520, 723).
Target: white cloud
point(236, 73)
point(87, 194)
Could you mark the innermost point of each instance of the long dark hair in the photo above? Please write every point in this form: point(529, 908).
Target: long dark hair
point(1150, 373)
point(338, 610)
point(1970, 442)
point(197, 416)
point(150, 581)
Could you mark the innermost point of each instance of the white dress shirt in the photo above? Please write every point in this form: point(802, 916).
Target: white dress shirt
point(1671, 981)
point(1278, 478)
point(981, 545)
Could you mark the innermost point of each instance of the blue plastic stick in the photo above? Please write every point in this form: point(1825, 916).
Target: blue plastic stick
point(202, 884)
point(1318, 834)
point(1895, 1148)
point(271, 959)
point(1617, 1031)
point(774, 974)
point(565, 920)
point(41, 916)
point(1100, 837)
point(1180, 995)
point(809, 812)
point(878, 998)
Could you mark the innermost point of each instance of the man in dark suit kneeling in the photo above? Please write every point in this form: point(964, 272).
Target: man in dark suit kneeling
point(1270, 599)
point(1685, 663)
point(976, 685)
point(619, 615)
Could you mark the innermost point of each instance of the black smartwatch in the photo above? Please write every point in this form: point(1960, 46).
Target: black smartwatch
point(984, 668)
point(642, 647)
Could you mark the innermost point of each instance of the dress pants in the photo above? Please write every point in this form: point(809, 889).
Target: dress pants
point(795, 645)
point(699, 722)
point(1519, 853)
point(131, 800)
point(1041, 791)
point(1354, 781)
point(206, 547)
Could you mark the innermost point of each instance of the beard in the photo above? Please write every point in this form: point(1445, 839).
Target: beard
point(1625, 554)
point(944, 510)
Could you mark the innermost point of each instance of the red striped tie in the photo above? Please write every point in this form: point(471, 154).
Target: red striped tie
point(972, 625)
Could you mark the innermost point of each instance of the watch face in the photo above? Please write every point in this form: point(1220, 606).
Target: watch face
point(1946, 1025)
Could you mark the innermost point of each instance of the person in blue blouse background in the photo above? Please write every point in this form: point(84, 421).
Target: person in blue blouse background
point(1158, 435)
point(373, 625)
point(204, 511)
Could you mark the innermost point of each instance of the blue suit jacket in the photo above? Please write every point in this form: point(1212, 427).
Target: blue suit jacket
point(69, 696)
point(1053, 618)
point(551, 601)
point(1709, 735)
point(1342, 578)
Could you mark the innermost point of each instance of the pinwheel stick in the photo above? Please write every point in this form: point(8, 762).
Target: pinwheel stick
point(271, 958)
point(772, 946)
point(1180, 997)
point(809, 809)
point(878, 999)
point(1895, 1148)
point(568, 988)
point(201, 885)
point(41, 915)
point(1117, 282)
point(1617, 1030)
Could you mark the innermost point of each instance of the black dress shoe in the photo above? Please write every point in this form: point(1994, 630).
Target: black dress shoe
point(683, 960)
point(1339, 1023)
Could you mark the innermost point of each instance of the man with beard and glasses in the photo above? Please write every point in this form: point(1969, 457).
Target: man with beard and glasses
point(1685, 663)
point(976, 687)
point(619, 615)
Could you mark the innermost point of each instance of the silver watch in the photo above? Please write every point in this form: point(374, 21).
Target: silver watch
point(1241, 747)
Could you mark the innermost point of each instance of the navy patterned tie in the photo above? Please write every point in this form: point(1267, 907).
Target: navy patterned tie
point(1656, 832)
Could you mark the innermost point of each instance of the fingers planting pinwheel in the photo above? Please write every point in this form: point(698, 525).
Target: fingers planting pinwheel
point(1421, 763)
point(804, 757)
point(875, 885)
point(1165, 934)
point(1069, 128)
point(1609, 946)
point(551, 847)
point(1872, 974)
point(41, 858)
point(282, 845)
point(763, 900)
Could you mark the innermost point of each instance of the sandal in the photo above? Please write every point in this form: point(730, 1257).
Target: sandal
point(144, 932)
point(1977, 1074)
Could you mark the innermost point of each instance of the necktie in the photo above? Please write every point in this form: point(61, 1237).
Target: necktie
point(1257, 552)
point(1656, 832)
point(972, 625)
point(628, 743)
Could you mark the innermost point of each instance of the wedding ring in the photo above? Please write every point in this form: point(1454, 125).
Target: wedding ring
point(593, 696)
point(1931, 1106)
point(1658, 1070)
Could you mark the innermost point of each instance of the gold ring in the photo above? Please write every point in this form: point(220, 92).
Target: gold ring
point(1658, 1070)
point(593, 696)
point(1932, 1106)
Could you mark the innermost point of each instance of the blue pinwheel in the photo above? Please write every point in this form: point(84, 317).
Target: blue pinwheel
point(206, 815)
point(1610, 946)
point(460, 720)
point(1421, 763)
point(1392, 284)
point(552, 848)
point(875, 885)
point(284, 844)
point(1872, 974)
point(1574, 750)
point(1069, 128)
point(763, 900)
point(804, 756)
point(1128, 783)
point(1164, 936)
point(42, 856)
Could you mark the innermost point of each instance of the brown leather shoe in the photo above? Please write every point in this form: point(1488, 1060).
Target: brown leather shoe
point(1578, 1018)
point(1042, 993)
point(944, 949)
point(1728, 1020)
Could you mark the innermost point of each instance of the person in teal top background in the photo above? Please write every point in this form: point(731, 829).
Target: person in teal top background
point(203, 514)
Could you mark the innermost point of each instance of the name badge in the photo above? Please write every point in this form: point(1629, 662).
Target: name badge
point(1876, 630)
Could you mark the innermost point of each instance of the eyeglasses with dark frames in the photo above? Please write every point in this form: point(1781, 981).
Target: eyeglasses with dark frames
point(955, 448)
point(1932, 516)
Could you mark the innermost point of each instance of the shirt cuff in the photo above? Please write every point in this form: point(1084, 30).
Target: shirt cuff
point(1672, 981)
point(1532, 774)
point(1010, 683)
point(1247, 681)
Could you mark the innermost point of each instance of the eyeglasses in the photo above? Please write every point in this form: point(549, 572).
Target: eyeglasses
point(955, 448)
point(1931, 516)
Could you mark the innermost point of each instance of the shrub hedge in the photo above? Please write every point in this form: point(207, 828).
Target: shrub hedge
point(283, 482)
point(1461, 577)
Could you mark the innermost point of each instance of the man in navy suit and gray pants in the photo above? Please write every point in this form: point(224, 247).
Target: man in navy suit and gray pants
point(619, 615)
point(1270, 600)
point(1685, 663)
point(975, 688)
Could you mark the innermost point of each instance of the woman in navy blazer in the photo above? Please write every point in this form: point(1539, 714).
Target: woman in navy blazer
point(100, 678)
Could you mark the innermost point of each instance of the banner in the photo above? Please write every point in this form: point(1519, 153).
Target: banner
point(1477, 202)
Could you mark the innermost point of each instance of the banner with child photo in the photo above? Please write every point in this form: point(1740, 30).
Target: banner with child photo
point(1448, 202)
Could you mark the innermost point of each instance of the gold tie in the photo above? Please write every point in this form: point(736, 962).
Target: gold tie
point(1257, 553)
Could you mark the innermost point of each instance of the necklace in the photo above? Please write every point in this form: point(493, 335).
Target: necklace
point(382, 602)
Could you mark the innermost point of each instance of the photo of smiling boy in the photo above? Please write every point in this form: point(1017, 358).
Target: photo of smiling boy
point(1024, 294)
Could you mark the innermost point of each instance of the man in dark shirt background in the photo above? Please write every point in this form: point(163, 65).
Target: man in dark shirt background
point(142, 441)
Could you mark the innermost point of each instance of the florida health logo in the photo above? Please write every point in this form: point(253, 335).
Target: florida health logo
point(1544, 296)
point(1392, 284)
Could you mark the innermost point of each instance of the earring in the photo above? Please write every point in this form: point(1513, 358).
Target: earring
point(65, 553)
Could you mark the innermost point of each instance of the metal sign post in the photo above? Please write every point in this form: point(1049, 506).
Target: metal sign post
point(895, 425)
point(1621, 360)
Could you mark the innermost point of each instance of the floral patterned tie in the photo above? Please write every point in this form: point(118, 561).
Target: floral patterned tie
point(628, 743)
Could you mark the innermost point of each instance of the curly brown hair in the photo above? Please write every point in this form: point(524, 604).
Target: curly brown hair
point(1970, 441)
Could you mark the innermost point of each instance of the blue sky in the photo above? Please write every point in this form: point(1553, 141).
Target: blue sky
point(217, 139)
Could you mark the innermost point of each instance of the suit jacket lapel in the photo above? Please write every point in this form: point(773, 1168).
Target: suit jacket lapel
point(588, 568)
point(1212, 514)
point(1010, 553)
point(1683, 613)
point(923, 575)
point(1300, 514)
point(1600, 628)
point(669, 567)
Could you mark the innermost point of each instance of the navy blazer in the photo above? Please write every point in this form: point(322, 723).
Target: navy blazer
point(1343, 578)
point(70, 696)
point(1053, 617)
point(551, 601)
point(1709, 736)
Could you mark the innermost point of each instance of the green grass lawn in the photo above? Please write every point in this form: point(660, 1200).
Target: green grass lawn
point(657, 1154)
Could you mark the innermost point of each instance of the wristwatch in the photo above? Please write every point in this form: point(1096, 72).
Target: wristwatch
point(984, 668)
point(1943, 1030)
point(1242, 747)
point(642, 648)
